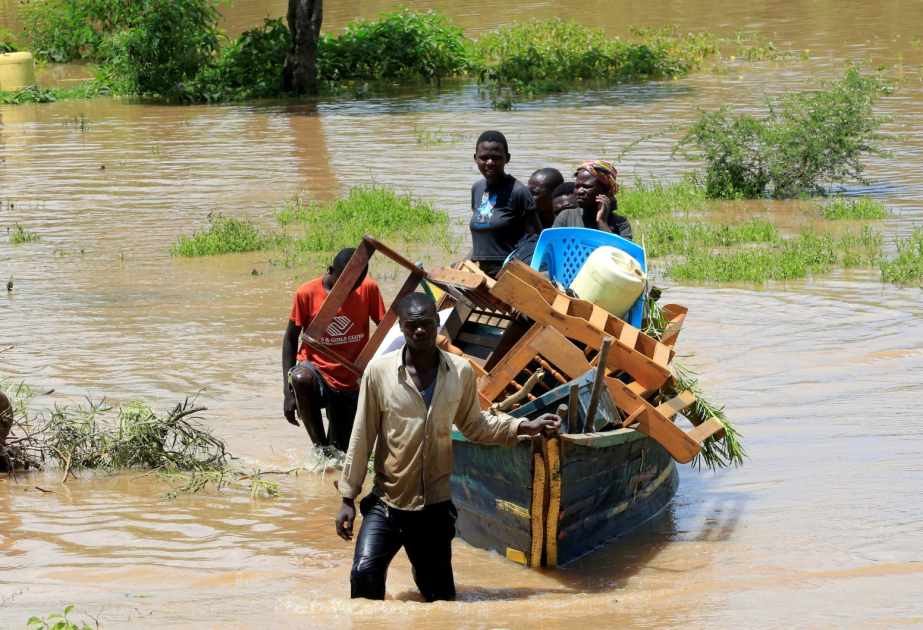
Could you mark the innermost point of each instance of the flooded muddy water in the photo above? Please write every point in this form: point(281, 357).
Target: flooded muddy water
point(821, 528)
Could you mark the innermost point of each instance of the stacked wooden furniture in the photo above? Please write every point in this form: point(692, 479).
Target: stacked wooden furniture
point(548, 501)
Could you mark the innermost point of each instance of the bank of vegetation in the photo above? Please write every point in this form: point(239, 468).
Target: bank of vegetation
point(175, 49)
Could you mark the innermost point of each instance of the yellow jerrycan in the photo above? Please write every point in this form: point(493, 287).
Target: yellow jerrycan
point(17, 71)
point(611, 279)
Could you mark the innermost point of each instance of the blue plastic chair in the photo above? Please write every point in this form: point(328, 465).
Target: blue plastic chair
point(564, 250)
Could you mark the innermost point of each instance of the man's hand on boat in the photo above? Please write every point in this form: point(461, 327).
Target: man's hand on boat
point(548, 423)
point(345, 519)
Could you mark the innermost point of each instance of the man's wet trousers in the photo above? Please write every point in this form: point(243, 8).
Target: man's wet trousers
point(425, 535)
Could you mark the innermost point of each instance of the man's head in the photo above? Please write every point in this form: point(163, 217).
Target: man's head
point(419, 322)
point(491, 154)
point(563, 198)
point(542, 185)
point(339, 264)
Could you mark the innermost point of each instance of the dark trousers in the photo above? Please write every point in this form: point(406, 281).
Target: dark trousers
point(426, 536)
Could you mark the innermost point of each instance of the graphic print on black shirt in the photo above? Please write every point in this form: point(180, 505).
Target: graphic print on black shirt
point(498, 218)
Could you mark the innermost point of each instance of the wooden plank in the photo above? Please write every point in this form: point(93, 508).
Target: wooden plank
point(530, 276)
point(538, 510)
point(706, 429)
point(676, 316)
point(676, 404)
point(444, 275)
point(599, 317)
point(410, 285)
point(509, 366)
point(527, 300)
point(553, 449)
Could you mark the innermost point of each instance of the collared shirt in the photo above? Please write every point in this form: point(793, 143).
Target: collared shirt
point(413, 455)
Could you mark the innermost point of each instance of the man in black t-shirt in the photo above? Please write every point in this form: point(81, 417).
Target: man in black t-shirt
point(502, 208)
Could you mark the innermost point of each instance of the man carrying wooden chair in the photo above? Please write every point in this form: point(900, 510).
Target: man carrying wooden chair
point(317, 381)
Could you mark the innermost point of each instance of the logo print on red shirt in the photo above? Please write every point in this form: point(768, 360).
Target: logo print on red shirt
point(340, 326)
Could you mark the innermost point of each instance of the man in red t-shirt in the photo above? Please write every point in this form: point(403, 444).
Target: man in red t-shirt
point(316, 381)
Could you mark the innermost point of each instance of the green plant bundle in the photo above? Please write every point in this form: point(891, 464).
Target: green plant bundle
point(906, 267)
point(538, 56)
point(808, 141)
point(851, 208)
point(402, 44)
point(381, 212)
point(22, 235)
point(224, 235)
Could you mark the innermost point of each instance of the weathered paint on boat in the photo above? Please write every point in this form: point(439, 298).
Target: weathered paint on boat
point(609, 483)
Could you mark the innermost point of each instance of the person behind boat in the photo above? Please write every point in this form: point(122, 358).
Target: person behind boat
point(502, 208)
point(409, 400)
point(316, 381)
point(542, 185)
point(595, 188)
point(563, 198)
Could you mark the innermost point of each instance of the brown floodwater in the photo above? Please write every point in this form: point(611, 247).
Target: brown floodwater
point(821, 528)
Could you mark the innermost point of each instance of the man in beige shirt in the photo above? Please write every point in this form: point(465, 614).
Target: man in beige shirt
point(408, 401)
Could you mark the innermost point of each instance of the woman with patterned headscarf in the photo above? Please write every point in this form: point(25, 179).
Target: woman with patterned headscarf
point(595, 188)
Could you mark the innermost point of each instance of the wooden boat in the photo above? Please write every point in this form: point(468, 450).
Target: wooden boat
point(551, 499)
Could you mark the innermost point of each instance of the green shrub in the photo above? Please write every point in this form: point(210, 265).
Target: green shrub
point(402, 44)
point(851, 208)
point(163, 49)
point(808, 141)
point(384, 213)
point(224, 235)
point(7, 41)
point(541, 56)
point(907, 265)
point(56, 622)
point(62, 30)
point(250, 66)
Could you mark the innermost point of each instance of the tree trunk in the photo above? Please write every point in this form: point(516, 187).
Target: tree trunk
point(304, 20)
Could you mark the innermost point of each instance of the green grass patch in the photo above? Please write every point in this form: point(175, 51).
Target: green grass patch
point(22, 235)
point(687, 236)
point(642, 199)
point(381, 212)
point(224, 235)
point(907, 265)
point(784, 259)
point(851, 208)
point(34, 94)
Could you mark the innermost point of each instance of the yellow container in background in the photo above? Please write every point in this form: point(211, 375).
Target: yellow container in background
point(17, 71)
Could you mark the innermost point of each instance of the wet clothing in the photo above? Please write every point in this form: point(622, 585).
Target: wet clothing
point(348, 333)
point(574, 217)
point(499, 215)
point(413, 453)
point(340, 406)
point(425, 535)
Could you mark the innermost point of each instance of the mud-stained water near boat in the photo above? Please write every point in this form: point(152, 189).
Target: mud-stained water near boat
point(820, 529)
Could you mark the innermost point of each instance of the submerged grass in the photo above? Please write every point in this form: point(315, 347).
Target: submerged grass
point(783, 259)
point(685, 236)
point(22, 235)
point(648, 198)
point(906, 267)
point(851, 208)
point(224, 235)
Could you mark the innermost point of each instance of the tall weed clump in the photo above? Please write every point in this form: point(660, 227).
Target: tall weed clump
point(807, 142)
point(224, 235)
point(541, 56)
point(906, 267)
point(641, 199)
point(402, 44)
